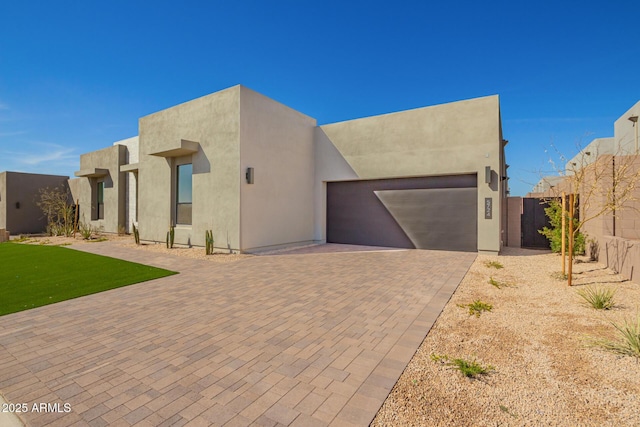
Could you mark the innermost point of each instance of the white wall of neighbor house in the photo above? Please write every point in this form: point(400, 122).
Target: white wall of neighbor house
point(456, 138)
point(213, 123)
point(626, 130)
point(130, 182)
point(277, 142)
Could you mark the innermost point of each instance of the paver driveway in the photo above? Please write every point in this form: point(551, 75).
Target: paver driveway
point(317, 337)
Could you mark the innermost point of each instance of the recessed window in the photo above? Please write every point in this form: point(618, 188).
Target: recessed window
point(100, 200)
point(184, 192)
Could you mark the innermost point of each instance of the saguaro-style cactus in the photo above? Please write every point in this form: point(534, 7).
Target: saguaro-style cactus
point(209, 241)
point(170, 235)
point(136, 234)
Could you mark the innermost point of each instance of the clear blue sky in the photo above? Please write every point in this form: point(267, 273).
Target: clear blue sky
point(75, 76)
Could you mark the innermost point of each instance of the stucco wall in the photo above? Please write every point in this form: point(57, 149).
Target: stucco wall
point(514, 222)
point(3, 200)
point(277, 141)
point(329, 166)
point(24, 189)
point(213, 122)
point(457, 138)
point(114, 188)
point(626, 131)
point(130, 182)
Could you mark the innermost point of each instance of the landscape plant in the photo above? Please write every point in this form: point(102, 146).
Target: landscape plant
point(493, 264)
point(554, 233)
point(170, 236)
point(86, 230)
point(599, 298)
point(477, 307)
point(136, 234)
point(209, 242)
point(58, 211)
point(468, 368)
point(497, 284)
point(628, 342)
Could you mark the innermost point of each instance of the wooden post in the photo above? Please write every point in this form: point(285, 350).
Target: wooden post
point(571, 213)
point(564, 233)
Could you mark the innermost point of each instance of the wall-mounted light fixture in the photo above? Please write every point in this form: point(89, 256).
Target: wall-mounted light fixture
point(487, 174)
point(249, 175)
point(17, 205)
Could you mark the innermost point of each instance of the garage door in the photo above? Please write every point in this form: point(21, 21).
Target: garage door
point(425, 213)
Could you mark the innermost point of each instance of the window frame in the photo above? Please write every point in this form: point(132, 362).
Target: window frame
point(99, 200)
point(177, 205)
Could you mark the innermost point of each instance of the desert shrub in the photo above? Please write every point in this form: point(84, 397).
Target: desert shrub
point(598, 298)
point(476, 308)
point(493, 264)
point(554, 234)
point(628, 342)
point(60, 214)
point(86, 230)
point(468, 368)
point(498, 284)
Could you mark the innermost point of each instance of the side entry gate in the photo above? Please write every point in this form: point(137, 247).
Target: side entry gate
point(532, 220)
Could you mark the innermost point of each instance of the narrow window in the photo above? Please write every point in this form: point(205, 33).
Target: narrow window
point(100, 199)
point(184, 194)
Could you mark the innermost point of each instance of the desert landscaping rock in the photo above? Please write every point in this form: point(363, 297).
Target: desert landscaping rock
point(535, 338)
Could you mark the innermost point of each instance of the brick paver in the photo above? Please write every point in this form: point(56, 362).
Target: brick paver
point(317, 336)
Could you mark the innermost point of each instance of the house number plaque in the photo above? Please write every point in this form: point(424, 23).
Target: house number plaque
point(488, 207)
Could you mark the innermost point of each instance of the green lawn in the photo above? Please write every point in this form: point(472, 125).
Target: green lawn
point(33, 276)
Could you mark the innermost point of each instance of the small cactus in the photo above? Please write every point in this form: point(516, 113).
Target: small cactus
point(136, 234)
point(209, 242)
point(170, 235)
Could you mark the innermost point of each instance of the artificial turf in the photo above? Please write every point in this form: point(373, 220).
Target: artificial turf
point(33, 276)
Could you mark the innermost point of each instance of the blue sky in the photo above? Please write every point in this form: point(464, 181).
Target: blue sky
point(75, 76)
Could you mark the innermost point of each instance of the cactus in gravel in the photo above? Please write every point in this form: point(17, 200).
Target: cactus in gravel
point(136, 234)
point(170, 235)
point(209, 242)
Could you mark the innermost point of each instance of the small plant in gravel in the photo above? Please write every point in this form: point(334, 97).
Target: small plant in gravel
point(559, 275)
point(628, 343)
point(493, 264)
point(598, 298)
point(496, 284)
point(476, 308)
point(468, 368)
point(507, 411)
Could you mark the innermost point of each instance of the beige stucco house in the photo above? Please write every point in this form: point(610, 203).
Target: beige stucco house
point(262, 175)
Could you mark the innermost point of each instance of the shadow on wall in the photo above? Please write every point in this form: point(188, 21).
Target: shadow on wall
point(622, 255)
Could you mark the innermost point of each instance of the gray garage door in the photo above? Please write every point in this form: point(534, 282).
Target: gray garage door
point(425, 213)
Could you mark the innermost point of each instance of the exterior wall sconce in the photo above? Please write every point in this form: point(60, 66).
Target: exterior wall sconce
point(249, 175)
point(487, 174)
point(17, 205)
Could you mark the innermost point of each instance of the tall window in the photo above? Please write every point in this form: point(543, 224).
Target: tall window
point(100, 200)
point(184, 194)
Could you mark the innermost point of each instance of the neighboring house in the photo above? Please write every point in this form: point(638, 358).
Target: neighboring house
point(19, 194)
point(612, 235)
point(262, 175)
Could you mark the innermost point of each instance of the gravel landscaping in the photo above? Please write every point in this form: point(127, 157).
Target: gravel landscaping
point(534, 338)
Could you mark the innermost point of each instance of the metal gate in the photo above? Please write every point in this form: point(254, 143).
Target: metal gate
point(534, 219)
